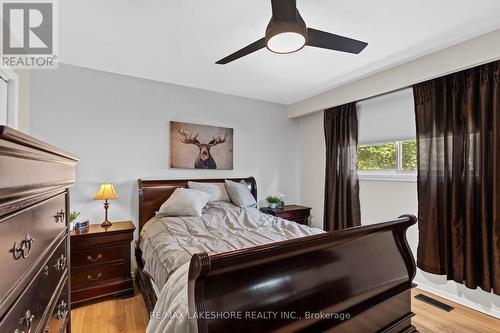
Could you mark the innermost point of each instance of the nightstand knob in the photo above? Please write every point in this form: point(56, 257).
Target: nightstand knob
point(99, 257)
point(91, 278)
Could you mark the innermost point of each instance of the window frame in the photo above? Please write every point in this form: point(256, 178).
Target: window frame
point(396, 175)
point(12, 80)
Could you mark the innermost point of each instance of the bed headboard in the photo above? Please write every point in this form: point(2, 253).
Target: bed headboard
point(153, 193)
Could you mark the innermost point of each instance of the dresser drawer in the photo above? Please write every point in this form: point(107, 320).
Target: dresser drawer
point(96, 255)
point(29, 167)
point(31, 305)
point(60, 313)
point(96, 275)
point(25, 236)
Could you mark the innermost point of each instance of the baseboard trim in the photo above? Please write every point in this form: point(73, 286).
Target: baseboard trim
point(457, 299)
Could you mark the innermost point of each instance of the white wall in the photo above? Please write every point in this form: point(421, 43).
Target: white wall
point(380, 200)
point(3, 102)
point(312, 166)
point(24, 99)
point(118, 126)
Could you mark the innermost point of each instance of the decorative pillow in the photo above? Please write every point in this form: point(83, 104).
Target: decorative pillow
point(185, 202)
point(240, 194)
point(216, 190)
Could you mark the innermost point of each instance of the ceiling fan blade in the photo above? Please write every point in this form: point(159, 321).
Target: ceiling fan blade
point(284, 10)
point(330, 41)
point(255, 46)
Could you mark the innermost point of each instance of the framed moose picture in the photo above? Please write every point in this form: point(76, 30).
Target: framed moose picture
point(195, 146)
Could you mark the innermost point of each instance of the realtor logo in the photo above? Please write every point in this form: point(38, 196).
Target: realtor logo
point(28, 38)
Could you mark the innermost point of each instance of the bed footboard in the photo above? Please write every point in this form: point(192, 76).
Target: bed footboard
point(355, 280)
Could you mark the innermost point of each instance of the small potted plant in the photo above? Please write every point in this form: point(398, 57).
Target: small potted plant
point(77, 224)
point(282, 200)
point(273, 201)
point(72, 218)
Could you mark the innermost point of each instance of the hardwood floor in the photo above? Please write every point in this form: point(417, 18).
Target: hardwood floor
point(126, 315)
point(429, 319)
point(129, 316)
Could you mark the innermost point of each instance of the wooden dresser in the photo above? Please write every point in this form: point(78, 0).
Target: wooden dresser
point(34, 283)
point(100, 262)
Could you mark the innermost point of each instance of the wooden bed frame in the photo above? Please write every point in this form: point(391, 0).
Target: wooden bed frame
point(356, 280)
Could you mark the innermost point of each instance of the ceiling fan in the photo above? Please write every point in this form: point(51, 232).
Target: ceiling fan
point(287, 33)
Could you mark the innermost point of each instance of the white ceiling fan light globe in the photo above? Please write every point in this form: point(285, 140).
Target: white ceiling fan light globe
point(286, 42)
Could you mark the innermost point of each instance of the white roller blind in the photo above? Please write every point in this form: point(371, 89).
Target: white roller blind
point(385, 118)
point(3, 102)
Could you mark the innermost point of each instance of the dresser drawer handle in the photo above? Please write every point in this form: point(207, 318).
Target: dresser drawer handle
point(99, 257)
point(91, 278)
point(27, 320)
point(62, 310)
point(60, 216)
point(23, 249)
point(61, 263)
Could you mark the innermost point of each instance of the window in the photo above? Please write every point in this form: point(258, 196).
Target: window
point(396, 160)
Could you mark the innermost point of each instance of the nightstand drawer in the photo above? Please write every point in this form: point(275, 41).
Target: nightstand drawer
point(97, 255)
point(100, 262)
point(96, 275)
point(300, 220)
point(293, 215)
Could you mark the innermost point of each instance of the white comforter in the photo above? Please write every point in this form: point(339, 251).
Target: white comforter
point(169, 242)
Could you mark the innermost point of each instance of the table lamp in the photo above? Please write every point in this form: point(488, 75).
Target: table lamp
point(106, 192)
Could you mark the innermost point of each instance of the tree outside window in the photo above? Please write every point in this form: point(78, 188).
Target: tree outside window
point(394, 157)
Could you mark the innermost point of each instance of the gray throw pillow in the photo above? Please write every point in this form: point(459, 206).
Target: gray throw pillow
point(216, 190)
point(239, 194)
point(185, 202)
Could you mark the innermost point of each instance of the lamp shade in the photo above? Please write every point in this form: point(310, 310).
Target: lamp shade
point(106, 192)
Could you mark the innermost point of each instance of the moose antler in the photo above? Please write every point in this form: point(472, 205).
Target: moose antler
point(187, 138)
point(216, 141)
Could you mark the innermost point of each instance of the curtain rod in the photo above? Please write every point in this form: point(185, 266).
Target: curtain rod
point(433, 77)
point(383, 94)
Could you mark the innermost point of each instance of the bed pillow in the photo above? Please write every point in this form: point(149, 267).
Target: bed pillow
point(216, 190)
point(185, 202)
point(240, 194)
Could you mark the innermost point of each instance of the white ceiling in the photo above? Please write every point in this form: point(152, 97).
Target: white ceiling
point(178, 41)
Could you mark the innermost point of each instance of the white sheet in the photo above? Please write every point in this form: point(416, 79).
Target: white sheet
point(169, 242)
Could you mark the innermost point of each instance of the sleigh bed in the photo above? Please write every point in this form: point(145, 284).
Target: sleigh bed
point(356, 280)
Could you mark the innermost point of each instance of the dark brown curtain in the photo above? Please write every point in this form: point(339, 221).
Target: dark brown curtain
point(342, 208)
point(458, 133)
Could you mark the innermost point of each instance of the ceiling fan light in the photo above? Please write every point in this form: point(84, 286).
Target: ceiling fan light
point(286, 42)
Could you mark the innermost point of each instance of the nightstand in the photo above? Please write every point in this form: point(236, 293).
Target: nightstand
point(100, 262)
point(295, 213)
